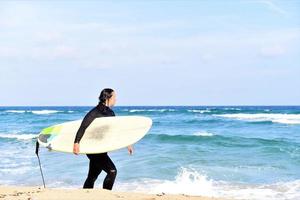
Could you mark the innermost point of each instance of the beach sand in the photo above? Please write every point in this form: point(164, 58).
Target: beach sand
point(38, 193)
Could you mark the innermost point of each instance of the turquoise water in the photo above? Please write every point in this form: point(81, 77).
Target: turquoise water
point(250, 152)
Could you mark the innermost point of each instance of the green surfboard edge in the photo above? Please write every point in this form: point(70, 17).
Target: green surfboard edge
point(52, 130)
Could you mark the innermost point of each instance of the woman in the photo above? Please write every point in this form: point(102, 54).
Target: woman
point(101, 161)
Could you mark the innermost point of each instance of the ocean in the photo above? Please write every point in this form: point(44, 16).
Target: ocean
point(241, 152)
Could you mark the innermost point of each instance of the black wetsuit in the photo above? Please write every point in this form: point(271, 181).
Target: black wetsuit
point(101, 161)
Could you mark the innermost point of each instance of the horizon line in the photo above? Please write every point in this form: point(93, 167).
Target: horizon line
point(245, 105)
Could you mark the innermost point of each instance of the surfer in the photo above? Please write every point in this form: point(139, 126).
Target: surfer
point(100, 161)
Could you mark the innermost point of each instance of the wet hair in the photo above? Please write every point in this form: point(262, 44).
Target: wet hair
point(105, 94)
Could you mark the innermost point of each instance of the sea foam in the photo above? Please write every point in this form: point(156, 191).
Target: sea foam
point(18, 136)
point(276, 118)
point(45, 112)
point(15, 111)
point(199, 111)
point(203, 133)
point(191, 182)
point(151, 110)
point(38, 112)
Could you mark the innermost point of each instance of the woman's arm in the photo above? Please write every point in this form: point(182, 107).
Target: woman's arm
point(130, 149)
point(87, 120)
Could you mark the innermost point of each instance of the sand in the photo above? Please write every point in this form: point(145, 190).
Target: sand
point(38, 193)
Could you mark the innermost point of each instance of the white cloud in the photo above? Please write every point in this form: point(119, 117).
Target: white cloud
point(107, 51)
point(273, 7)
point(16, 13)
point(273, 51)
point(207, 57)
point(48, 36)
point(63, 51)
point(51, 53)
point(125, 28)
point(9, 52)
point(102, 44)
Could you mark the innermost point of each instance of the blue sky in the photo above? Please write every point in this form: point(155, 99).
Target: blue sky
point(151, 52)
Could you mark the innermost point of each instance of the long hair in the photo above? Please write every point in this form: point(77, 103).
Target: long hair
point(105, 94)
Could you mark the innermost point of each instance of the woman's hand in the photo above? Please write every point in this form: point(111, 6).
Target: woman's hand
point(76, 148)
point(130, 149)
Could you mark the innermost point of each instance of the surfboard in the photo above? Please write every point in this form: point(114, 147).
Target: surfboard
point(104, 134)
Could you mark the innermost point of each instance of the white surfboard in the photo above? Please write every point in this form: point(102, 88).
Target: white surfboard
point(104, 134)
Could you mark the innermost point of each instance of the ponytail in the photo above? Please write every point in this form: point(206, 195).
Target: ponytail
point(105, 94)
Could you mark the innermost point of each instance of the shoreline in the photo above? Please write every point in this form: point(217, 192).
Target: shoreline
point(39, 193)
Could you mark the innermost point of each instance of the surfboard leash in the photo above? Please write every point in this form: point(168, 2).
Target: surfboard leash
point(37, 146)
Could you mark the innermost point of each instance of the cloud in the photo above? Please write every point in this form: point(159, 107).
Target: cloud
point(273, 51)
point(100, 50)
point(9, 52)
point(273, 7)
point(96, 43)
point(48, 36)
point(16, 14)
point(125, 28)
point(52, 53)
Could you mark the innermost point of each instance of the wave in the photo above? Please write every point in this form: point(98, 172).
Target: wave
point(260, 117)
point(38, 112)
point(151, 110)
point(182, 138)
point(232, 109)
point(45, 112)
point(199, 111)
point(278, 144)
point(203, 133)
point(191, 182)
point(18, 136)
point(15, 111)
point(17, 170)
point(134, 110)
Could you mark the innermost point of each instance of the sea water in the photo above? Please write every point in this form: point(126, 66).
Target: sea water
point(241, 152)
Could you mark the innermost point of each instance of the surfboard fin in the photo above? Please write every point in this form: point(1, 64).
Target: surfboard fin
point(49, 147)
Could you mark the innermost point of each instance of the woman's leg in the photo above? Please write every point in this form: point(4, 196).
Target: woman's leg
point(94, 170)
point(109, 167)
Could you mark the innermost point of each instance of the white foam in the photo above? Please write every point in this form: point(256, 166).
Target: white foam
point(199, 111)
point(232, 109)
point(16, 164)
point(276, 118)
point(39, 112)
point(276, 191)
point(151, 110)
point(203, 133)
point(17, 170)
point(191, 182)
point(45, 112)
point(67, 184)
point(15, 111)
point(186, 182)
point(18, 136)
point(287, 121)
point(136, 110)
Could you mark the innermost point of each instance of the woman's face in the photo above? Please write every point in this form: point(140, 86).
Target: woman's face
point(112, 100)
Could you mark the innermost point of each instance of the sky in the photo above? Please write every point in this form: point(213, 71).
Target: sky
point(168, 52)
